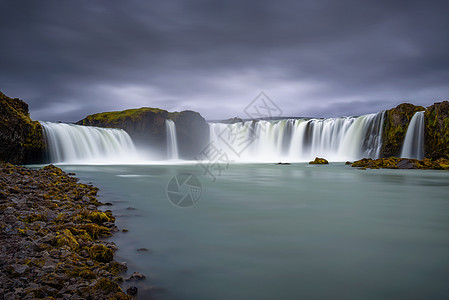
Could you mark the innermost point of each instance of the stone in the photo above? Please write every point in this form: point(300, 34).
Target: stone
point(132, 291)
point(135, 276)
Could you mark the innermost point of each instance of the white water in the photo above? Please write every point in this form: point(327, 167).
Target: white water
point(413, 146)
point(336, 139)
point(172, 141)
point(68, 143)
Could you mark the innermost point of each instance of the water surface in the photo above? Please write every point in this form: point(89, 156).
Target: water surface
point(299, 231)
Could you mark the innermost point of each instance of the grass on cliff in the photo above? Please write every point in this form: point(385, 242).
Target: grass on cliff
point(134, 114)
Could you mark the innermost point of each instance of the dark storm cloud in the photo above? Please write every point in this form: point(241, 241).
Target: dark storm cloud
point(313, 58)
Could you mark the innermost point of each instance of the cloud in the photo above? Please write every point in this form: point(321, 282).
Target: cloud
point(316, 58)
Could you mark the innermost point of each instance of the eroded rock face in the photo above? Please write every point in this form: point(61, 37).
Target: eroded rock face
point(436, 132)
point(21, 139)
point(147, 128)
point(192, 132)
point(395, 127)
point(145, 125)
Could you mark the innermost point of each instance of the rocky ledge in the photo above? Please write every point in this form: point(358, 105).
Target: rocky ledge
point(50, 238)
point(402, 163)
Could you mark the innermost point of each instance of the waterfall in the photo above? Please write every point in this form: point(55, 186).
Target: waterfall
point(337, 139)
point(172, 141)
point(68, 143)
point(413, 146)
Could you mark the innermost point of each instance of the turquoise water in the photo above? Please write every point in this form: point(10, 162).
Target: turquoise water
point(297, 231)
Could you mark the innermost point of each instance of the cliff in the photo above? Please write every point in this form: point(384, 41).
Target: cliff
point(395, 127)
point(436, 132)
point(21, 139)
point(146, 126)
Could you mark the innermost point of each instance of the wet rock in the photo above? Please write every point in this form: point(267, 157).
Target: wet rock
point(319, 161)
point(143, 250)
point(47, 236)
point(135, 277)
point(132, 291)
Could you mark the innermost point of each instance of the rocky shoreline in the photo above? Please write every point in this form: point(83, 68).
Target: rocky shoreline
point(51, 234)
point(401, 163)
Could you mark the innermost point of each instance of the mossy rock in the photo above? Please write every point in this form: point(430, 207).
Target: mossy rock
point(66, 238)
point(94, 230)
point(99, 217)
point(21, 139)
point(402, 163)
point(395, 126)
point(319, 161)
point(101, 253)
point(436, 132)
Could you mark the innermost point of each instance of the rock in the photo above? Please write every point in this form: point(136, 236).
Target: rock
point(395, 127)
point(319, 161)
point(192, 132)
point(21, 139)
point(147, 128)
point(436, 132)
point(406, 164)
point(101, 253)
point(135, 276)
point(20, 269)
point(402, 163)
point(132, 291)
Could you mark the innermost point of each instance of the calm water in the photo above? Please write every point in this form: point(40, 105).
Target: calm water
point(283, 232)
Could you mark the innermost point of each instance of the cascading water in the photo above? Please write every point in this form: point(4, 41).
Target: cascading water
point(68, 143)
point(337, 139)
point(172, 141)
point(413, 146)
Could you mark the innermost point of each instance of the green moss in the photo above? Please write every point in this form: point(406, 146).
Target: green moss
point(95, 231)
point(101, 253)
point(319, 161)
point(119, 117)
point(99, 217)
point(66, 238)
point(436, 120)
point(395, 126)
point(34, 217)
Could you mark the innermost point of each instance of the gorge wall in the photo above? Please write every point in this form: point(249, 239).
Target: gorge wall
point(395, 127)
point(21, 139)
point(147, 128)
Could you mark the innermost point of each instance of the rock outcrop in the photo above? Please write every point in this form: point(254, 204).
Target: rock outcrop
point(145, 125)
point(436, 132)
point(395, 127)
point(21, 139)
point(319, 161)
point(147, 128)
point(192, 132)
point(402, 163)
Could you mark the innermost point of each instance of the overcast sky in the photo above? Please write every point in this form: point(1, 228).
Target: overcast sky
point(69, 59)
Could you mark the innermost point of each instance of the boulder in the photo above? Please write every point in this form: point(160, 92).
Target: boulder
point(319, 161)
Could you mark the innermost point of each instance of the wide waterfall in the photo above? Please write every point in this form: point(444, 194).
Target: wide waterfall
point(68, 143)
point(336, 139)
point(413, 146)
point(172, 141)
